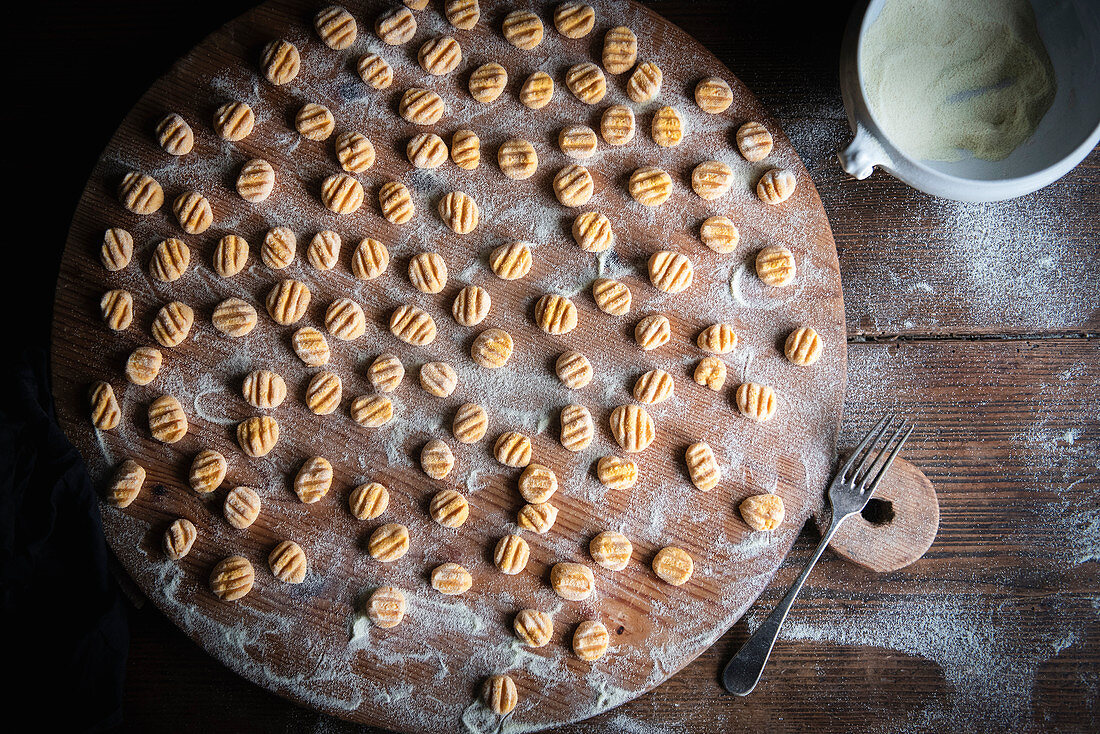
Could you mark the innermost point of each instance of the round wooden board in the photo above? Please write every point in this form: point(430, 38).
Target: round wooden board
point(307, 641)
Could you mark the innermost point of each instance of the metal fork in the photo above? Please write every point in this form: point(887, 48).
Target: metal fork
point(852, 487)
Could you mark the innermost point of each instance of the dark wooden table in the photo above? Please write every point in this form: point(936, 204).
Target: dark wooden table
point(981, 322)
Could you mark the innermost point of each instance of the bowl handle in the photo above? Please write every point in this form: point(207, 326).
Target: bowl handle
point(862, 154)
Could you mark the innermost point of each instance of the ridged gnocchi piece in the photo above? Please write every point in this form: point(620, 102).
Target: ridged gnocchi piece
point(462, 14)
point(140, 193)
point(436, 459)
point(208, 470)
point(459, 212)
point(449, 508)
point(592, 232)
point(517, 159)
point(279, 247)
point(170, 260)
point(167, 421)
point(179, 538)
point(421, 106)
point(386, 607)
point(375, 71)
point(174, 135)
point(717, 339)
point(386, 372)
point(287, 301)
point(578, 142)
point(754, 141)
point(323, 393)
point(428, 272)
point(711, 180)
point(702, 466)
point(314, 121)
point(586, 82)
point(345, 320)
point(143, 365)
point(466, 149)
point(412, 325)
point(280, 62)
point(313, 480)
point(396, 202)
point(611, 549)
point(650, 186)
point(537, 90)
point(311, 346)
point(776, 186)
point(258, 435)
point(617, 125)
point(371, 411)
point(451, 579)
point(438, 378)
point(611, 296)
point(389, 542)
point(632, 428)
point(511, 554)
point(368, 501)
point(574, 19)
point(370, 259)
point(193, 212)
point(644, 83)
point(230, 255)
point(555, 314)
point(590, 640)
point(173, 323)
point(533, 628)
point(241, 507)
point(354, 152)
point(577, 427)
point(620, 49)
point(470, 423)
point(719, 234)
point(264, 389)
point(713, 95)
point(117, 309)
point(756, 401)
point(488, 82)
point(667, 127)
point(323, 251)
point(492, 348)
point(775, 266)
point(511, 261)
point(803, 346)
point(126, 484)
point(655, 386)
point(117, 249)
point(288, 562)
point(232, 578)
point(670, 272)
point(440, 55)
point(513, 449)
point(471, 305)
point(763, 512)
point(673, 565)
point(415, 4)
point(573, 369)
point(336, 27)
point(234, 121)
point(523, 29)
point(653, 332)
point(617, 473)
point(537, 516)
point(256, 180)
point(396, 26)
point(538, 483)
point(573, 185)
point(711, 373)
point(341, 194)
point(572, 581)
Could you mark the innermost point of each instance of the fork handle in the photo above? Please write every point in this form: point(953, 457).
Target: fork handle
point(743, 671)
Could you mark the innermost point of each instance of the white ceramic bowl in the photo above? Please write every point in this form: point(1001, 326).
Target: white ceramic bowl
point(1066, 134)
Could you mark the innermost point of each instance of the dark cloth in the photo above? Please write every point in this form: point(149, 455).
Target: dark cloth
point(64, 615)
